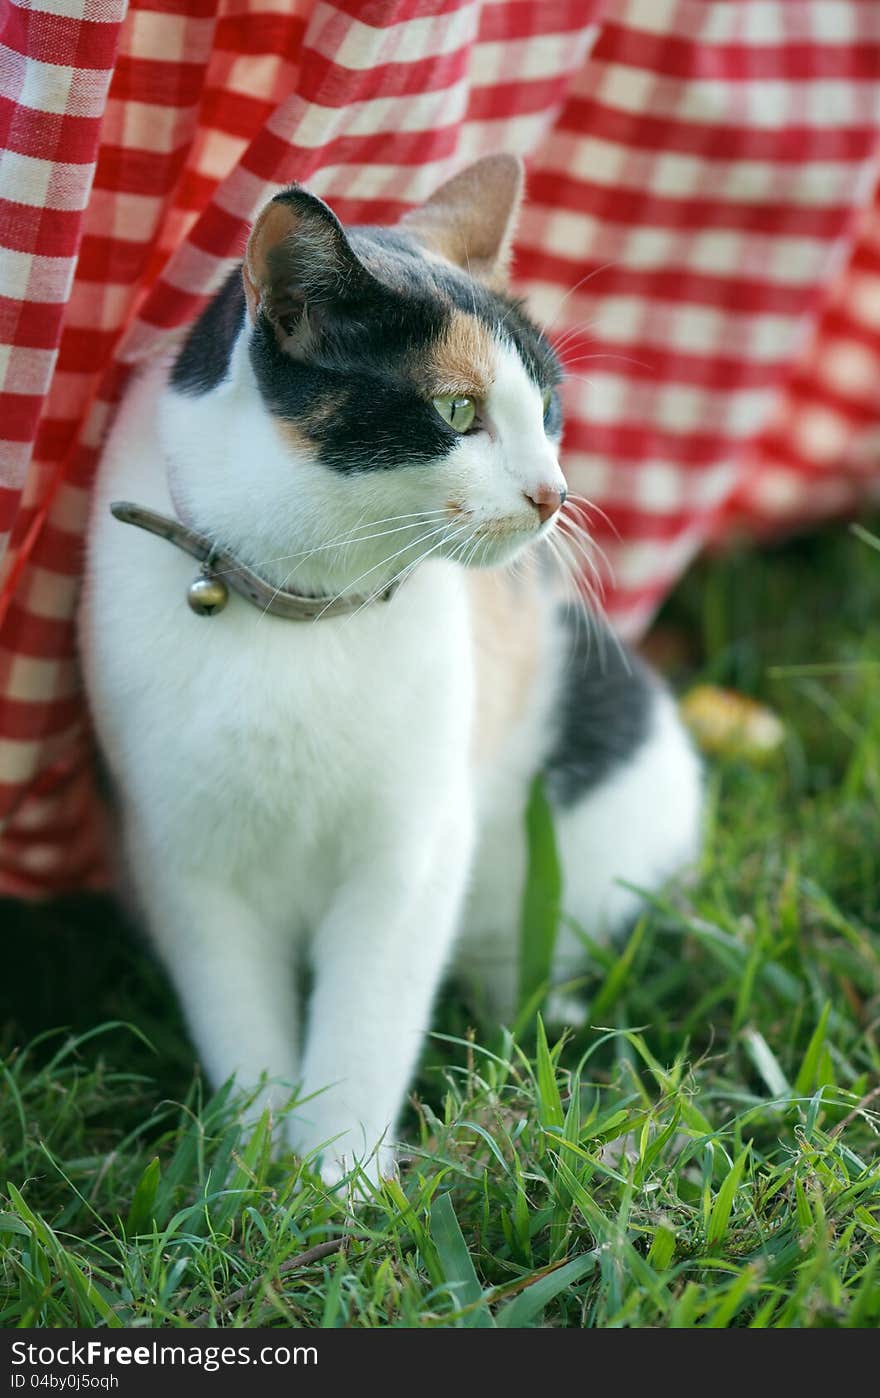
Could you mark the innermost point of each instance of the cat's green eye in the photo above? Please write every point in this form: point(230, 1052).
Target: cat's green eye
point(547, 400)
point(459, 412)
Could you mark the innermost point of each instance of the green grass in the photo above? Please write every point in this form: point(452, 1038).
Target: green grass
point(705, 1154)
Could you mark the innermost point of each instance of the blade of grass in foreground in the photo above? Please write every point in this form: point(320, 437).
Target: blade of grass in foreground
point(541, 897)
point(529, 1305)
point(458, 1269)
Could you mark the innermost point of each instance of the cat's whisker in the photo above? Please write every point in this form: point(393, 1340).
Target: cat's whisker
point(344, 540)
point(477, 542)
point(582, 550)
point(333, 599)
point(457, 554)
point(465, 528)
point(383, 562)
point(345, 544)
point(473, 550)
point(585, 541)
point(573, 591)
point(581, 504)
point(607, 631)
point(570, 523)
point(578, 576)
point(577, 549)
point(470, 549)
point(404, 572)
point(580, 599)
point(352, 541)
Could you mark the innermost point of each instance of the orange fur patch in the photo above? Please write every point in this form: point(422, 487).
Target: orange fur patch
point(463, 361)
point(507, 615)
point(295, 437)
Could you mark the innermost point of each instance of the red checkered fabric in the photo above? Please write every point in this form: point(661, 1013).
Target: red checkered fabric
point(701, 235)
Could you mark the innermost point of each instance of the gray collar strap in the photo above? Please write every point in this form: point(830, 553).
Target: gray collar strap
point(221, 572)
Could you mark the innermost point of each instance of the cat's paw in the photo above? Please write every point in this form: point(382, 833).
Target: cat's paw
point(342, 1168)
point(361, 1177)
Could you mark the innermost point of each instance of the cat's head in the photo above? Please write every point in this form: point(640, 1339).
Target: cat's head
point(414, 401)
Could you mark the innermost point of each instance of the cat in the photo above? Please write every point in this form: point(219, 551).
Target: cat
point(366, 420)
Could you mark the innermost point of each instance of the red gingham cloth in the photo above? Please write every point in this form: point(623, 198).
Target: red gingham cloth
point(702, 234)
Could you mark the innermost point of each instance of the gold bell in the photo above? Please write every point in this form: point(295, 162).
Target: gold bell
point(207, 595)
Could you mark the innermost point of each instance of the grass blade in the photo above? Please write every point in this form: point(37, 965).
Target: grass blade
point(455, 1260)
point(523, 1309)
point(541, 897)
point(722, 1208)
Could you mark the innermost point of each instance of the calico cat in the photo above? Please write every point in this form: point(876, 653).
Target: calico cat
point(357, 437)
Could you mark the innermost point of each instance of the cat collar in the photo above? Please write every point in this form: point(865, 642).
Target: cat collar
point(221, 572)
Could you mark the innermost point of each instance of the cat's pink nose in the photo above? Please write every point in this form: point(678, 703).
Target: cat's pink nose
point(546, 500)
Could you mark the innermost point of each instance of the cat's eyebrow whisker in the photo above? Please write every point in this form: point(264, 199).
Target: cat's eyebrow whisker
point(580, 378)
point(577, 286)
point(508, 313)
point(582, 359)
point(578, 330)
point(471, 282)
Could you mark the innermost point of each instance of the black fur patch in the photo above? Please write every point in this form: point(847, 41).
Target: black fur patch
point(606, 708)
point(203, 363)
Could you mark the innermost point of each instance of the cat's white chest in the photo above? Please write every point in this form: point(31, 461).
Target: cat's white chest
point(310, 724)
point(288, 727)
point(301, 738)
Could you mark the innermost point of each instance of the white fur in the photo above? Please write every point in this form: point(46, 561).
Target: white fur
point(293, 790)
point(631, 832)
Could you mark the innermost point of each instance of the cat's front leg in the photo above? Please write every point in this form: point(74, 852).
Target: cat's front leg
point(378, 957)
point(232, 969)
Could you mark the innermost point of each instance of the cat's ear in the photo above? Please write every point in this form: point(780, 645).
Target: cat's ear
point(471, 219)
point(299, 264)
